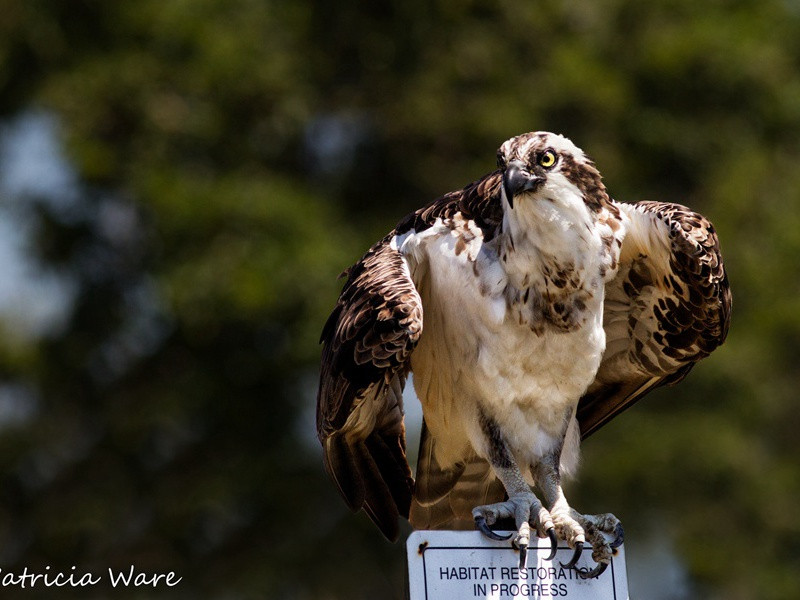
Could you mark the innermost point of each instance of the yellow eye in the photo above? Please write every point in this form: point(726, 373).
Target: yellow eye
point(547, 159)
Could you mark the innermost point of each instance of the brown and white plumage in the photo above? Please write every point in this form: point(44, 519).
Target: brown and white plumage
point(668, 308)
point(368, 340)
point(547, 307)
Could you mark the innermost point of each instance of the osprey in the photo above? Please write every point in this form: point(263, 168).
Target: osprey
point(532, 309)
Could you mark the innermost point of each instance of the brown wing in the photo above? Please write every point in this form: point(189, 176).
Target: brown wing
point(367, 343)
point(667, 308)
point(368, 340)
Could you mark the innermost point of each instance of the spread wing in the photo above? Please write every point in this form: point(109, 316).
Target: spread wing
point(667, 308)
point(367, 343)
point(368, 340)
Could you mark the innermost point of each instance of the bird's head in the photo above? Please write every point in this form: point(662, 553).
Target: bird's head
point(547, 166)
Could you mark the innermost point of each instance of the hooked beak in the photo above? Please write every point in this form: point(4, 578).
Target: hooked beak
point(517, 179)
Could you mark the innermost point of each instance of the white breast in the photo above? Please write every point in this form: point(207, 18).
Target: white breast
point(475, 355)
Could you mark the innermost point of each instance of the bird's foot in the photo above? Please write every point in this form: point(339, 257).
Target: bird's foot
point(527, 511)
point(578, 529)
point(569, 529)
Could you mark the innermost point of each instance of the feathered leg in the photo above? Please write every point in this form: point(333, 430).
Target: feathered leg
point(572, 526)
point(522, 505)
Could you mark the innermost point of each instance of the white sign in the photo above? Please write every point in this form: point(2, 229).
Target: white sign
point(465, 565)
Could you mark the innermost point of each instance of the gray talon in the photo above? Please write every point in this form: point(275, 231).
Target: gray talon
point(576, 555)
point(523, 556)
point(619, 532)
point(596, 572)
point(480, 523)
point(551, 533)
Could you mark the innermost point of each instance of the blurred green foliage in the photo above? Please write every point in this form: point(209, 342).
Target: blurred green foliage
point(236, 155)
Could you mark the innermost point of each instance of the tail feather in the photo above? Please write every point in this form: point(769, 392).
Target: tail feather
point(433, 482)
point(444, 498)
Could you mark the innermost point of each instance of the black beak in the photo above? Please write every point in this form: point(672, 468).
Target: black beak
point(517, 179)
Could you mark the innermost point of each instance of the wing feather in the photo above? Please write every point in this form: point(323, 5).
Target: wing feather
point(367, 343)
point(368, 340)
point(667, 308)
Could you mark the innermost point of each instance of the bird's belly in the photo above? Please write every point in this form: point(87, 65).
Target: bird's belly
point(474, 358)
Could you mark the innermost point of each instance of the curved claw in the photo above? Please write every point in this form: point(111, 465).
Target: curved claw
point(551, 533)
point(576, 555)
point(596, 572)
point(480, 523)
point(523, 556)
point(619, 532)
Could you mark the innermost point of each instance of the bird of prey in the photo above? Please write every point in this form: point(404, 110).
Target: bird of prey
point(531, 308)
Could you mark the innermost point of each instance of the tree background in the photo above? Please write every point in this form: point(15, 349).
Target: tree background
point(219, 162)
